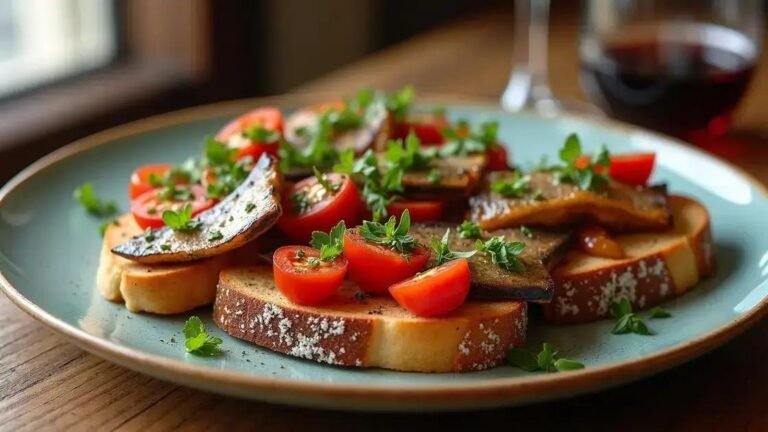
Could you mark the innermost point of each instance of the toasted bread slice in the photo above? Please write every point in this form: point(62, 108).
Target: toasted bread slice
point(354, 330)
point(158, 288)
point(658, 266)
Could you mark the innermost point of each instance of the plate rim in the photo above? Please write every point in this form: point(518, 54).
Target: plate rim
point(477, 392)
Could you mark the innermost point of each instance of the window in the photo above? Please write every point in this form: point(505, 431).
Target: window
point(45, 40)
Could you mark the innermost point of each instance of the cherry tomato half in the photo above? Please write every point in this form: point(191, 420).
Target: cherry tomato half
point(497, 158)
point(303, 278)
point(140, 178)
point(323, 209)
point(427, 126)
point(633, 169)
point(437, 291)
point(148, 210)
point(420, 211)
point(268, 118)
point(374, 268)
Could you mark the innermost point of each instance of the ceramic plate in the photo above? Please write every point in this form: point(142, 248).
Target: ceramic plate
point(49, 251)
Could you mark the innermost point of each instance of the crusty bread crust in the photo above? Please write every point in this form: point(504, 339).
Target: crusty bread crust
point(355, 330)
point(659, 266)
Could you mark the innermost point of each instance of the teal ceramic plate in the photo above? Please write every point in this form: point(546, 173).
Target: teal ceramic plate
point(49, 251)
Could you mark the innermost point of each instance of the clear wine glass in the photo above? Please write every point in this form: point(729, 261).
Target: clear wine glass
point(528, 86)
point(677, 66)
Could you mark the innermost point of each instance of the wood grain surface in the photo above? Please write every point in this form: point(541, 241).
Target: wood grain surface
point(49, 384)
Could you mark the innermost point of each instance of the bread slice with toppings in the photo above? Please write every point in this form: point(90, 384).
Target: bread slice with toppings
point(352, 329)
point(158, 288)
point(659, 266)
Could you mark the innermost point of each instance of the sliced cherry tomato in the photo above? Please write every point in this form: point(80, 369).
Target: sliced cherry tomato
point(323, 209)
point(596, 241)
point(421, 211)
point(375, 268)
point(428, 127)
point(437, 291)
point(148, 209)
point(497, 158)
point(268, 118)
point(303, 278)
point(140, 178)
point(633, 169)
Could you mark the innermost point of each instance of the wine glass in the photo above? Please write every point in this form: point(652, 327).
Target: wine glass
point(677, 66)
point(528, 86)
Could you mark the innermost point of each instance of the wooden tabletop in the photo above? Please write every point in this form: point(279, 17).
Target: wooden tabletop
point(46, 382)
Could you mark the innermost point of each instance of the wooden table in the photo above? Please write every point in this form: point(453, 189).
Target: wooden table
point(47, 382)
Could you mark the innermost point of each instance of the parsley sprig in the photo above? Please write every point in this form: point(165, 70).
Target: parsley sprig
point(407, 155)
point(380, 188)
point(227, 172)
point(320, 152)
point(463, 139)
point(469, 230)
point(261, 135)
point(443, 254)
point(629, 322)
point(593, 176)
point(86, 196)
point(181, 220)
point(515, 187)
point(399, 103)
point(331, 245)
point(503, 253)
point(198, 341)
point(391, 234)
point(547, 360)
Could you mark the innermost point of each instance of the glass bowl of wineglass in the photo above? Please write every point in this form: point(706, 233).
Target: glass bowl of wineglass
point(676, 66)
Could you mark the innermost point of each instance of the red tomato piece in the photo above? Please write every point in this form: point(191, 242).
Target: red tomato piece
point(497, 158)
point(140, 178)
point(437, 291)
point(427, 127)
point(633, 169)
point(324, 210)
point(148, 209)
point(420, 211)
point(268, 118)
point(374, 268)
point(303, 278)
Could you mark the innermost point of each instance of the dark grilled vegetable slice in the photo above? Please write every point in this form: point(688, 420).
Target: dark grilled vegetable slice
point(548, 202)
point(446, 177)
point(242, 216)
point(489, 281)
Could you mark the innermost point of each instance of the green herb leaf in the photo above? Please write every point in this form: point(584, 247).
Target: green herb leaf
point(443, 254)
point(435, 176)
point(516, 187)
point(547, 360)
point(571, 150)
point(408, 155)
point(389, 234)
point(469, 230)
point(626, 320)
point(585, 177)
point(261, 135)
point(300, 202)
point(249, 207)
point(218, 153)
point(399, 103)
point(331, 245)
point(198, 341)
point(319, 152)
point(216, 235)
point(181, 220)
point(502, 253)
point(331, 188)
point(463, 140)
point(175, 193)
point(94, 205)
point(659, 313)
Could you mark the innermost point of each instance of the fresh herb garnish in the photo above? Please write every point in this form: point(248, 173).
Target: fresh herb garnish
point(313, 261)
point(249, 207)
point(585, 174)
point(175, 193)
point(217, 153)
point(399, 103)
point(469, 230)
point(216, 235)
point(626, 320)
point(435, 176)
point(379, 189)
point(331, 188)
point(463, 140)
point(331, 245)
point(300, 254)
point(165, 247)
point(525, 231)
point(659, 313)
point(443, 254)
point(319, 152)
point(300, 202)
point(198, 341)
point(407, 155)
point(261, 134)
point(547, 360)
point(502, 253)
point(391, 234)
point(103, 227)
point(516, 187)
point(181, 220)
point(538, 195)
point(94, 205)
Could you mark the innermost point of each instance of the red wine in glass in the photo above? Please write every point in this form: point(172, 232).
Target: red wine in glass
point(684, 81)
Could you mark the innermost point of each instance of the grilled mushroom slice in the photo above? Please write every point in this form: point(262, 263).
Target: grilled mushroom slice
point(242, 216)
point(447, 177)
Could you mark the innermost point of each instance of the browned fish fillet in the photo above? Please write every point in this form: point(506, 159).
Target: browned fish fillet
point(489, 281)
point(619, 208)
point(458, 177)
point(242, 216)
